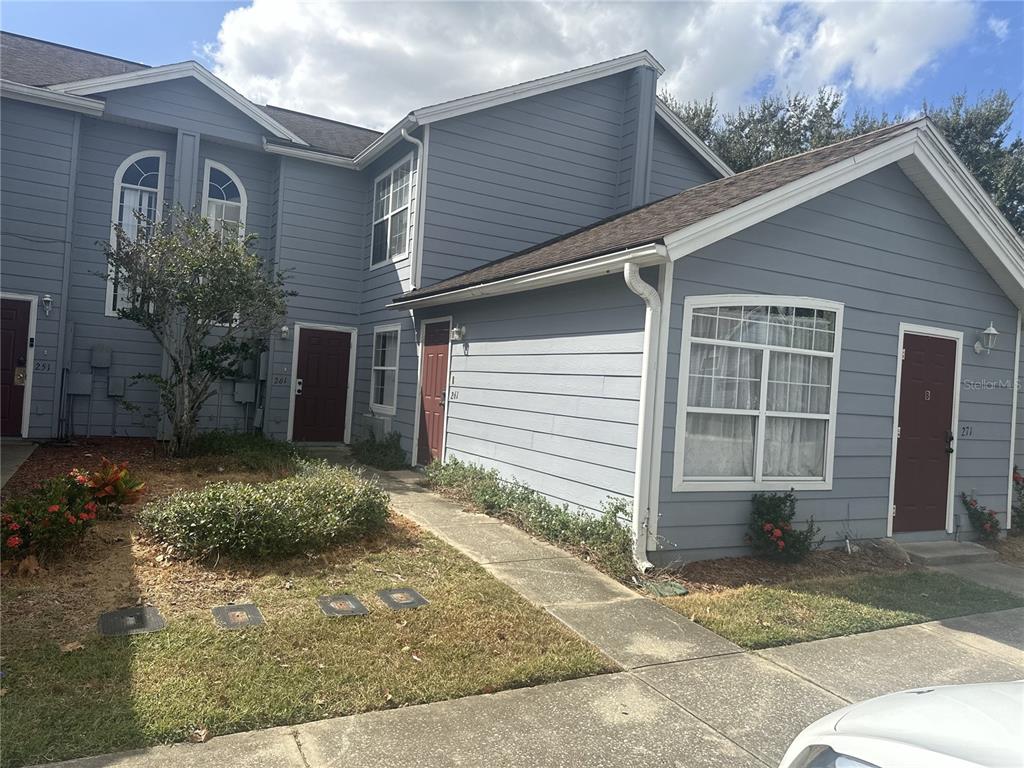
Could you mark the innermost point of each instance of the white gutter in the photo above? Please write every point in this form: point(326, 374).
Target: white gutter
point(48, 98)
point(644, 427)
point(309, 154)
point(644, 256)
point(421, 190)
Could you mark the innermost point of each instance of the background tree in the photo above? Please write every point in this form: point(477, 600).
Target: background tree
point(779, 126)
point(205, 296)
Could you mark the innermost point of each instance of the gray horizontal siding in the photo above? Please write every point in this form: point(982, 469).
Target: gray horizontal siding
point(546, 386)
point(880, 248)
point(674, 167)
point(36, 154)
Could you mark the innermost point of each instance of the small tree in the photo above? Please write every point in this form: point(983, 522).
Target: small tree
point(207, 299)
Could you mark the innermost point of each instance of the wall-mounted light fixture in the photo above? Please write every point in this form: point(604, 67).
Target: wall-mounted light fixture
point(284, 331)
point(987, 341)
point(458, 333)
point(47, 301)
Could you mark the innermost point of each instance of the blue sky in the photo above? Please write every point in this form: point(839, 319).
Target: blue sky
point(331, 58)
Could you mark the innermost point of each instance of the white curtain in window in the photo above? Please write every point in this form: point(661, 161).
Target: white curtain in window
point(719, 445)
point(794, 447)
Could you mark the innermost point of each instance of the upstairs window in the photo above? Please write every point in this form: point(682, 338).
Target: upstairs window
point(392, 193)
point(757, 393)
point(138, 198)
point(224, 200)
point(384, 380)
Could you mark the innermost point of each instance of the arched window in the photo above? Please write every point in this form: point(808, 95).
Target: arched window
point(138, 198)
point(224, 200)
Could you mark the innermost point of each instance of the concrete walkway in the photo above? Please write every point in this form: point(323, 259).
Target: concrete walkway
point(12, 455)
point(688, 698)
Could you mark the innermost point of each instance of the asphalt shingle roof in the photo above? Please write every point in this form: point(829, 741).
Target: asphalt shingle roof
point(41, 63)
point(650, 223)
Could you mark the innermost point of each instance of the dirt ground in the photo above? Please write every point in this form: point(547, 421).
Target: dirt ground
point(1011, 549)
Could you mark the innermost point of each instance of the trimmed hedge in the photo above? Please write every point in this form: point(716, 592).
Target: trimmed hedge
point(320, 507)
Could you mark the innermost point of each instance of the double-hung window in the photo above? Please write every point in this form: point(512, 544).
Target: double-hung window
point(224, 200)
point(138, 196)
point(757, 393)
point(392, 195)
point(384, 377)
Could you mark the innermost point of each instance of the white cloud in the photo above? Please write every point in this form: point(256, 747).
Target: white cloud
point(999, 27)
point(370, 63)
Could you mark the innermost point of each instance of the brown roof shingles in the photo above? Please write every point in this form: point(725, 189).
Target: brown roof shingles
point(650, 223)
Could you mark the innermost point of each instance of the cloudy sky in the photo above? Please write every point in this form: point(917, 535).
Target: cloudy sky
point(370, 63)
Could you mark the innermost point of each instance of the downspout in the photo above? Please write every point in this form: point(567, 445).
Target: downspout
point(421, 188)
point(641, 484)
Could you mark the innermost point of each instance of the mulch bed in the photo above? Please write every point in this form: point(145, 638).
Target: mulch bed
point(732, 572)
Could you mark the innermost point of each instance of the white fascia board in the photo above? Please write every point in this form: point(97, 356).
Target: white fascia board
point(494, 98)
point(47, 98)
point(310, 154)
point(984, 229)
point(643, 255)
point(691, 139)
point(175, 72)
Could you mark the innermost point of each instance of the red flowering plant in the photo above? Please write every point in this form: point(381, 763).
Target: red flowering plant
point(771, 532)
point(110, 487)
point(1017, 511)
point(45, 521)
point(983, 520)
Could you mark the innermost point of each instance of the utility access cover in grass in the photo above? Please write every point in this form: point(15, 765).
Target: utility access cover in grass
point(131, 621)
point(237, 616)
point(401, 598)
point(341, 605)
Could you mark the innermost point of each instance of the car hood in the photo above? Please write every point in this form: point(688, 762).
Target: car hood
point(981, 723)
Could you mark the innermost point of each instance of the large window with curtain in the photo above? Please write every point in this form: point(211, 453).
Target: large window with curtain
point(138, 195)
point(757, 393)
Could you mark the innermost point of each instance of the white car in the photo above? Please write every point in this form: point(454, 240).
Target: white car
point(951, 726)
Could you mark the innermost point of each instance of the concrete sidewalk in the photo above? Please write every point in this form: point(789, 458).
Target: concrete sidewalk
point(12, 455)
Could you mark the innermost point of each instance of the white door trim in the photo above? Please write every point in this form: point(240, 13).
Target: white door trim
point(349, 400)
point(30, 357)
point(419, 388)
point(940, 333)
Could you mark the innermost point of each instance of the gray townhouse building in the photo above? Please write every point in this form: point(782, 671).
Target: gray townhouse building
point(556, 279)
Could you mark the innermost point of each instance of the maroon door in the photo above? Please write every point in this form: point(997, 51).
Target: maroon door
point(321, 387)
point(14, 317)
point(433, 391)
point(925, 438)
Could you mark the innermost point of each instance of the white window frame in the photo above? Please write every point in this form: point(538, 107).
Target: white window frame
point(759, 483)
point(243, 198)
point(384, 409)
point(409, 207)
point(161, 155)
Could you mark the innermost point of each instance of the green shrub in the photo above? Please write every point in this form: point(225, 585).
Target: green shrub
point(241, 450)
point(382, 454)
point(320, 507)
point(1017, 506)
point(603, 538)
point(983, 520)
point(771, 532)
point(46, 521)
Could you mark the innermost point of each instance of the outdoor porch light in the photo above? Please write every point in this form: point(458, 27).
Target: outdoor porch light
point(458, 333)
point(284, 331)
point(987, 342)
point(47, 304)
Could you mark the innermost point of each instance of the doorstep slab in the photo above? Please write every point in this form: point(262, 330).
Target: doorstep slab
point(755, 703)
point(947, 552)
point(863, 666)
point(559, 580)
point(639, 632)
point(608, 721)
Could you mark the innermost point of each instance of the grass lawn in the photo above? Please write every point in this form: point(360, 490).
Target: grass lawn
point(68, 692)
point(767, 615)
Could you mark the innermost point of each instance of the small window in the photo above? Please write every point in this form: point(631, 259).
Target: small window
point(138, 197)
point(392, 194)
point(384, 381)
point(757, 398)
point(224, 200)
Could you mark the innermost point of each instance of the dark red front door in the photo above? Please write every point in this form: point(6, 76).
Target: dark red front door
point(433, 391)
point(321, 389)
point(925, 437)
point(14, 318)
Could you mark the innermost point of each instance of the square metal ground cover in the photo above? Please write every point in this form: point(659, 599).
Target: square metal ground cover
point(401, 598)
point(341, 605)
point(237, 616)
point(131, 621)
